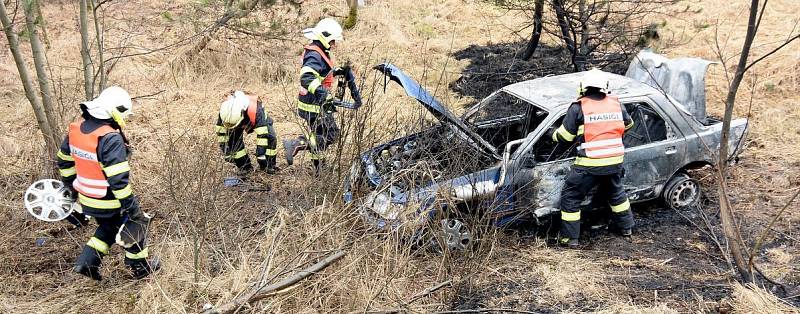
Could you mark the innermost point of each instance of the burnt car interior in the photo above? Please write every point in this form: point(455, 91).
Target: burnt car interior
point(648, 127)
point(505, 118)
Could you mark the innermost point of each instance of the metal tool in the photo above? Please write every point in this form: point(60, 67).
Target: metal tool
point(49, 200)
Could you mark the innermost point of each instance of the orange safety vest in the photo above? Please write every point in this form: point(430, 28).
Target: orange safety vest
point(603, 127)
point(251, 109)
point(328, 82)
point(90, 180)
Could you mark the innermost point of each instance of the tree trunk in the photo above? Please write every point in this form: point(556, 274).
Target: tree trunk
point(564, 26)
point(101, 77)
point(352, 16)
point(88, 67)
point(582, 49)
point(27, 82)
point(533, 43)
point(729, 226)
point(42, 24)
point(40, 61)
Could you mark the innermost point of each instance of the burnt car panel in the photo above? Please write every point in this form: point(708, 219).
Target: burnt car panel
point(525, 181)
point(413, 89)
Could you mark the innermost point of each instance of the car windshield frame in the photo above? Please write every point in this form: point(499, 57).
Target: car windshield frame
point(484, 102)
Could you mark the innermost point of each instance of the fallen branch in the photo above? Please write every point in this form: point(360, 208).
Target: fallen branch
point(268, 290)
point(429, 291)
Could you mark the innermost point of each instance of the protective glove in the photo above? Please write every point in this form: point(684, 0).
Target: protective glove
point(134, 230)
point(549, 134)
point(337, 71)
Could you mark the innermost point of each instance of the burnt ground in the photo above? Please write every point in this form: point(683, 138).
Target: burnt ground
point(668, 261)
point(494, 66)
point(673, 258)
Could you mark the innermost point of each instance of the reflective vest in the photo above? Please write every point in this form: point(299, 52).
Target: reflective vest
point(603, 127)
point(328, 81)
point(304, 99)
point(251, 110)
point(91, 180)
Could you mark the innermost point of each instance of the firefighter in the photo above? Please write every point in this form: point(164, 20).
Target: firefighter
point(597, 121)
point(315, 103)
point(93, 162)
point(242, 113)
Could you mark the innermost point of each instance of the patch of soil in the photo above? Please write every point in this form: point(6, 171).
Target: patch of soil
point(494, 66)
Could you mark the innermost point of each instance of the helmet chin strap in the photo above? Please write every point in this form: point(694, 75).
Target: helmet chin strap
point(324, 42)
point(117, 116)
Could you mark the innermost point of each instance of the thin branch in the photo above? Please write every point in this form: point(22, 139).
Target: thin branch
point(268, 290)
point(790, 40)
point(764, 233)
point(148, 95)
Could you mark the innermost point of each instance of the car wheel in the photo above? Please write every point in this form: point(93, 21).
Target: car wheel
point(455, 235)
point(682, 192)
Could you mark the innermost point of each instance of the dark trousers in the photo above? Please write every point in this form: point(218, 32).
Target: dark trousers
point(578, 184)
point(324, 131)
point(106, 233)
point(235, 145)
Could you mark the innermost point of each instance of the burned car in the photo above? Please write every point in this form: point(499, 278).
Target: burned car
point(497, 159)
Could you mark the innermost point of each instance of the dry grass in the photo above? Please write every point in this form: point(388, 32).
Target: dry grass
point(216, 243)
point(754, 299)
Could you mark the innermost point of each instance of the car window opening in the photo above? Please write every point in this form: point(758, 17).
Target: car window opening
point(504, 118)
point(648, 125)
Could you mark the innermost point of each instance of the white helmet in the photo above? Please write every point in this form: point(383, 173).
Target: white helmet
point(326, 30)
point(112, 103)
point(231, 112)
point(594, 78)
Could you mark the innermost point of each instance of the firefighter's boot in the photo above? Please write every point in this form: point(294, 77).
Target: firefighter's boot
point(142, 267)
point(572, 244)
point(317, 167)
point(293, 146)
point(88, 263)
point(272, 168)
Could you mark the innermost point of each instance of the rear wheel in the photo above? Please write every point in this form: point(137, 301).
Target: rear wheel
point(682, 192)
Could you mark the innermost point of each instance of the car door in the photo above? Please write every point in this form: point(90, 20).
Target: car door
point(653, 149)
point(540, 169)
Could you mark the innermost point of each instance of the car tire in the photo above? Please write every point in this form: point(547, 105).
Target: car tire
point(682, 192)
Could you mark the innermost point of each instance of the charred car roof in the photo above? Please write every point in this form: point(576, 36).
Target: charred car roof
point(553, 92)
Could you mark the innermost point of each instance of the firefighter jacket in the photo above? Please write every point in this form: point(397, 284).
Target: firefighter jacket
point(597, 123)
point(93, 161)
point(316, 78)
point(256, 120)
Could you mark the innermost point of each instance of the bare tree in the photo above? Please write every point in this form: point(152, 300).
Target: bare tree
point(593, 32)
point(533, 43)
point(50, 137)
point(729, 225)
point(40, 62)
point(232, 12)
point(88, 67)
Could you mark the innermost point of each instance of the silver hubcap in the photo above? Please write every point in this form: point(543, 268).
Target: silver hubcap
point(684, 194)
point(48, 200)
point(456, 235)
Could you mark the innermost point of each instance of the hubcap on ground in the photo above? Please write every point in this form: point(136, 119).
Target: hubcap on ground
point(456, 234)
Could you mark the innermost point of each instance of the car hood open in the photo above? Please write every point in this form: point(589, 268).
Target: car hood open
point(682, 78)
point(413, 89)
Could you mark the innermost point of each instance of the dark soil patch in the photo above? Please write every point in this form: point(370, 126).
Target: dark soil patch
point(494, 66)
